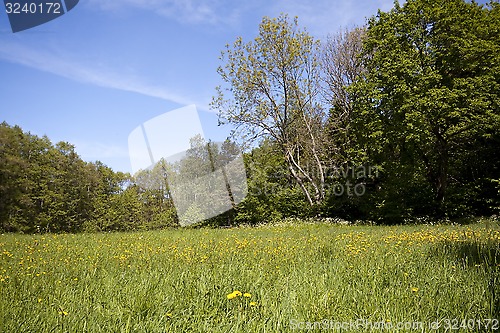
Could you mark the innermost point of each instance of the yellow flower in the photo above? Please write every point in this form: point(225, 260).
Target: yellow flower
point(168, 314)
point(253, 304)
point(231, 296)
point(247, 295)
point(237, 293)
point(414, 289)
point(39, 300)
point(63, 313)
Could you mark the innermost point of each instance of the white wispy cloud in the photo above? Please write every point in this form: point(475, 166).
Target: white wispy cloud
point(323, 17)
point(64, 66)
point(184, 11)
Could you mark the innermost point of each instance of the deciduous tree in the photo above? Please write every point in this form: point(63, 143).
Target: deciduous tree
point(430, 87)
point(273, 91)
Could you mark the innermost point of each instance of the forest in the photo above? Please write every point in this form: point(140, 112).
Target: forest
point(394, 122)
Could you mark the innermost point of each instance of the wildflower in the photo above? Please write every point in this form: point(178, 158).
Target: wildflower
point(247, 295)
point(237, 293)
point(168, 314)
point(231, 296)
point(253, 304)
point(414, 289)
point(63, 313)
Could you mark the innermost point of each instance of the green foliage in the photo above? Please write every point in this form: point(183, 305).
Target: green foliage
point(44, 187)
point(273, 92)
point(272, 193)
point(429, 95)
point(47, 188)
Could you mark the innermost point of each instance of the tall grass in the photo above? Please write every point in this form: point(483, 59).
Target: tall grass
point(179, 280)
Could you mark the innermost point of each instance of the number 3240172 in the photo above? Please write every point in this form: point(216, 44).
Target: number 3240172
point(33, 8)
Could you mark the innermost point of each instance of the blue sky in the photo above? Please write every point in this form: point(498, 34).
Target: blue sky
point(93, 75)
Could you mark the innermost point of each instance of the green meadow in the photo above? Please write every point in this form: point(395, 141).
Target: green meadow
point(286, 277)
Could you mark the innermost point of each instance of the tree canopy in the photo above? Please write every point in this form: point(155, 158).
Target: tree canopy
point(430, 94)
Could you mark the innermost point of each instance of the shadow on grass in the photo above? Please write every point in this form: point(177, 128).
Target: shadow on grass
point(484, 254)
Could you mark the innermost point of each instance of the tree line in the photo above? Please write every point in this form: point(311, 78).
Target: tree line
point(391, 122)
point(414, 95)
point(49, 188)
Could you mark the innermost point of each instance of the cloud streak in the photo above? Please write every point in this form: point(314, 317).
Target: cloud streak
point(323, 17)
point(102, 77)
point(210, 12)
point(320, 17)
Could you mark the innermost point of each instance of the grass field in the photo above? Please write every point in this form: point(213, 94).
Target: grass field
point(277, 278)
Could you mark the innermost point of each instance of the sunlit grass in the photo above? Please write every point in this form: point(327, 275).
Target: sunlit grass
point(247, 279)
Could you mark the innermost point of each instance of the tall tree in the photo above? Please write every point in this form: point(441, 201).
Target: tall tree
point(273, 91)
point(341, 65)
point(430, 87)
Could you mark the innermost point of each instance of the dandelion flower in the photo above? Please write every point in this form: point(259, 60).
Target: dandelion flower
point(237, 293)
point(247, 295)
point(414, 289)
point(63, 313)
point(231, 296)
point(253, 304)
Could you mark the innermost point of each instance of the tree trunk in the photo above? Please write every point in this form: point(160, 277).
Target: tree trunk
point(295, 169)
point(441, 181)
